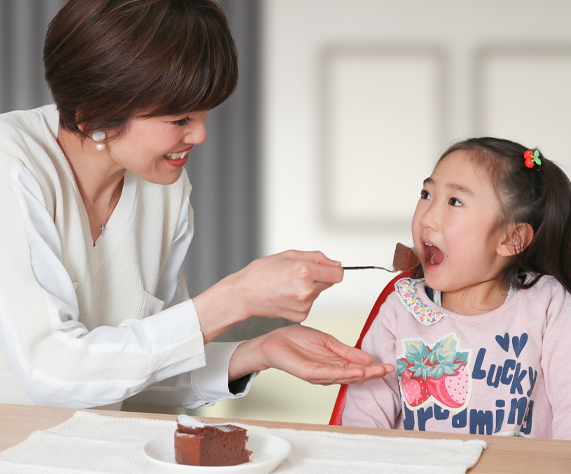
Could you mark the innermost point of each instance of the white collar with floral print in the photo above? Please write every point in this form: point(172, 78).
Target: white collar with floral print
point(407, 292)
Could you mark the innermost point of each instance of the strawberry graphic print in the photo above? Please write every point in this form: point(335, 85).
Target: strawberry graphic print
point(437, 373)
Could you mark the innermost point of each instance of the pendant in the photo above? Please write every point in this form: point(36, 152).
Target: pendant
point(102, 228)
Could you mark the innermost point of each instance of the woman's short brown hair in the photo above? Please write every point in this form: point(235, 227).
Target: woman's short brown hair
point(108, 61)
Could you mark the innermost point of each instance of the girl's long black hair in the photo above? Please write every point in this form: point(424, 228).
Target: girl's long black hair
point(539, 196)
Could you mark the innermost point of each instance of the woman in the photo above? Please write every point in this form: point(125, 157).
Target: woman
point(97, 221)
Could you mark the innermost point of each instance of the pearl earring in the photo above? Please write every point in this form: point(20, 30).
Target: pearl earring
point(98, 137)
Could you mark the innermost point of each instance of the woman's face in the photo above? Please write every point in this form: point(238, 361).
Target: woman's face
point(155, 149)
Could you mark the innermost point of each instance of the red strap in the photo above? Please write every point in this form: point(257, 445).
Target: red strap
point(337, 415)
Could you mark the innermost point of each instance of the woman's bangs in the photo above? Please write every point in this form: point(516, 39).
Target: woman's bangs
point(212, 80)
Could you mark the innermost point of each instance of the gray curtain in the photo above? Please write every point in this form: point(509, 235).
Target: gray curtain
point(223, 171)
point(23, 26)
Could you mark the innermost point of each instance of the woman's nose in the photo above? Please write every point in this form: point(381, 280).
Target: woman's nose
point(196, 129)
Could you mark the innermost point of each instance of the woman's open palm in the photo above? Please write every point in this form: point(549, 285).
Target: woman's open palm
point(319, 358)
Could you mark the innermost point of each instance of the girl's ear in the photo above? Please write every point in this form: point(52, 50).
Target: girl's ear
point(516, 240)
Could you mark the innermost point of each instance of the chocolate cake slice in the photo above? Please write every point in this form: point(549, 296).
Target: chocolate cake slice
point(199, 444)
point(405, 259)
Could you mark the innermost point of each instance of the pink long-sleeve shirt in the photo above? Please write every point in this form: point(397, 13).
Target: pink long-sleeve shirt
point(506, 372)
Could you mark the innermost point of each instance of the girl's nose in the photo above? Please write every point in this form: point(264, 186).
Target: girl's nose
point(429, 219)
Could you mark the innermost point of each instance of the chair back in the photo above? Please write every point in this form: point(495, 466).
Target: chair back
point(337, 415)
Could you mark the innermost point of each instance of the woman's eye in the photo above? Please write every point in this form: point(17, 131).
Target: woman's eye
point(455, 202)
point(424, 194)
point(181, 122)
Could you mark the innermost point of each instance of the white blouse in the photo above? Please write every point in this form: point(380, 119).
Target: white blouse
point(83, 325)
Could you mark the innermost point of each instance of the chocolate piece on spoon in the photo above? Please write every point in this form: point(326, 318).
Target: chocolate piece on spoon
point(405, 259)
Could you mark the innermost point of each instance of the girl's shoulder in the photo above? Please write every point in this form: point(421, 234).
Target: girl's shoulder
point(549, 293)
point(544, 285)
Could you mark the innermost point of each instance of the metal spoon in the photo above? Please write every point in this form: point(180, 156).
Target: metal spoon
point(370, 268)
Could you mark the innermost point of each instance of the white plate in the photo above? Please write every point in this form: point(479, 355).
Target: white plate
point(267, 452)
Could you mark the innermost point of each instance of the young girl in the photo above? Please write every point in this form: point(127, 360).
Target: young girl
point(480, 336)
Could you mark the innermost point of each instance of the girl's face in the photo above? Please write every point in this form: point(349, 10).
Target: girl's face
point(156, 148)
point(451, 227)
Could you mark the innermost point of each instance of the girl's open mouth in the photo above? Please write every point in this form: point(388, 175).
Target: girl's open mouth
point(432, 254)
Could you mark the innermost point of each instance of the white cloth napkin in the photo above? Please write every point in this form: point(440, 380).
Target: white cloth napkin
point(93, 444)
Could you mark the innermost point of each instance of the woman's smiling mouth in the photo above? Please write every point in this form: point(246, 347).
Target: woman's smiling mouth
point(178, 158)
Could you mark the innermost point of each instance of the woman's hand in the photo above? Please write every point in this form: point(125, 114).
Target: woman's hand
point(308, 354)
point(284, 285)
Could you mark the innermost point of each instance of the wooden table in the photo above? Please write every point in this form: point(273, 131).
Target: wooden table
point(503, 455)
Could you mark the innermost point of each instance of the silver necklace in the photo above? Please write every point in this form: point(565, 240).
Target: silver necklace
point(102, 227)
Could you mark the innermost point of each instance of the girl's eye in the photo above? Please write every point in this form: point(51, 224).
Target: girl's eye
point(424, 194)
point(455, 202)
point(181, 122)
